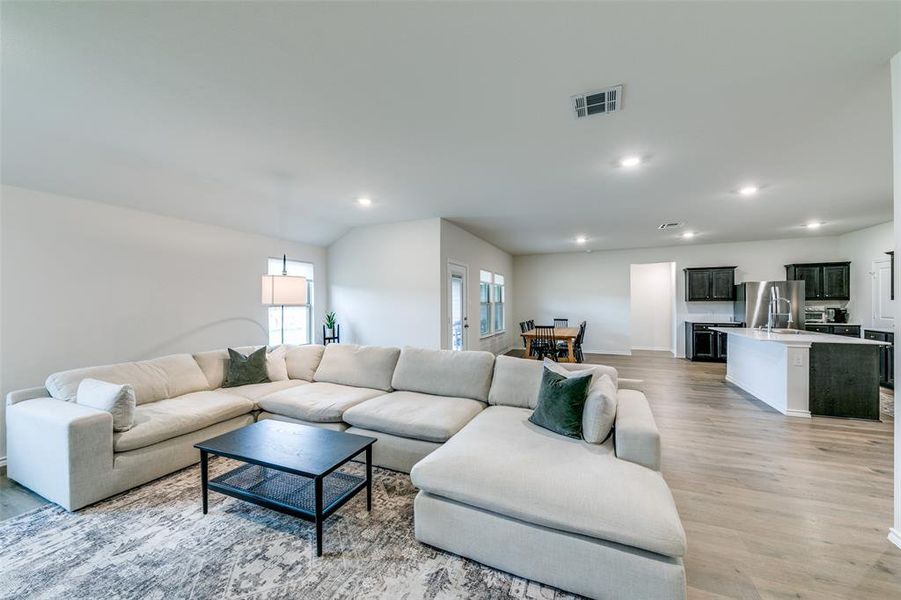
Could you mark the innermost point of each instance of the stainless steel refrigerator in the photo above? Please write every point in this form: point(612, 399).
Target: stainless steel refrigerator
point(755, 300)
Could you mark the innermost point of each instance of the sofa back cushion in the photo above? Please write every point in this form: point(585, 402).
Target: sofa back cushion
point(444, 373)
point(152, 380)
point(303, 360)
point(359, 366)
point(214, 363)
point(517, 380)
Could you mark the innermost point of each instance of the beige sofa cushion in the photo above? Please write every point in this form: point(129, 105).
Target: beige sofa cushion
point(600, 410)
point(444, 373)
point(414, 415)
point(158, 421)
point(255, 391)
point(359, 366)
point(152, 380)
point(303, 360)
point(500, 462)
point(317, 402)
point(517, 380)
point(214, 363)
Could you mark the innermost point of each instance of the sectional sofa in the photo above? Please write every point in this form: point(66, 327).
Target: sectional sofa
point(595, 519)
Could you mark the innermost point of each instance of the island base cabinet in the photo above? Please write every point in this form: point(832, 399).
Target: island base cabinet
point(844, 381)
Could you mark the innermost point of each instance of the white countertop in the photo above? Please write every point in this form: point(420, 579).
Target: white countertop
point(805, 338)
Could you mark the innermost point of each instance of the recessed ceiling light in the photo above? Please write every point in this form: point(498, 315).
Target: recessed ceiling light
point(814, 225)
point(630, 161)
point(688, 235)
point(364, 201)
point(581, 239)
point(748, 190)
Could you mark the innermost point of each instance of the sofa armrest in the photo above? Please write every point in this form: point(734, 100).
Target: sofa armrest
point(636, 437)
point(625, 383)
point(58, 448)
point(26, 394)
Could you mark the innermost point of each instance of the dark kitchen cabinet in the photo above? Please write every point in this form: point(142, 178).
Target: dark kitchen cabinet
point(822, 281)
point(834, 329)
point(886, 356)
point(812, 276)
point(710, 284)
point(702, 344)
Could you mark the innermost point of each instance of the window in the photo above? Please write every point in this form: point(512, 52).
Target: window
point(498, 301)
point(298, 319)
point(492, 295)
point(484, 302)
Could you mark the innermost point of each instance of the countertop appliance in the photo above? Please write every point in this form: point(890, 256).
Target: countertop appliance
point(754, 298)
point(815, 314)
point(837, 315)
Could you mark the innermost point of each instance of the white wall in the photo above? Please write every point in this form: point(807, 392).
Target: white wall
point(86, 283)
point(862, 248)
point(652, 291)
point(385, 284)
point(895, 533)
point(595, 286)
point(462, 247)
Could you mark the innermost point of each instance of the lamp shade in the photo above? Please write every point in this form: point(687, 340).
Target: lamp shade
point(284, 290)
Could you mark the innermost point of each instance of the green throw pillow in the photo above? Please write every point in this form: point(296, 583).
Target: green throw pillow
point(245, 370)
point(560, 403)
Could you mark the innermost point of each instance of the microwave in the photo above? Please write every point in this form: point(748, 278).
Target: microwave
point(815, 314)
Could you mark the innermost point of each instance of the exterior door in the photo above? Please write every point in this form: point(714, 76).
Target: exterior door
point(458, 324)
point(883, 304)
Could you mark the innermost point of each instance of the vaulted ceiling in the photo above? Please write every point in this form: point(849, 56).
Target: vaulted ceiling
point(275, 117)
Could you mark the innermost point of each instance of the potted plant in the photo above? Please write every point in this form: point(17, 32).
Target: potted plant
point(330, 322)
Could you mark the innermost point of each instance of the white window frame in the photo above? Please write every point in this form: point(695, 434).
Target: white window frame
point(295, 267)
point(486, 279)
point(499, 296)
point(494, 281)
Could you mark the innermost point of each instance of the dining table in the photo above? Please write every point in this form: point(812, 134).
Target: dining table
point(561, 334)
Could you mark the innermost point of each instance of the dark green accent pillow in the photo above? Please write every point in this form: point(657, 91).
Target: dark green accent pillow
point(560, 403)
point(246, 370)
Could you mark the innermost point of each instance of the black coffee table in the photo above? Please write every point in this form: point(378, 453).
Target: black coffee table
point(290, 468)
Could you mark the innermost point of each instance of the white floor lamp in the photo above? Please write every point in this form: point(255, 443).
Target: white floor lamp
point(284, 290)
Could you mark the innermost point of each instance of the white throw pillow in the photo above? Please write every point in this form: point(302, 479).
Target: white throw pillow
point(276, 365)
point(600, 410)
point(116, 399)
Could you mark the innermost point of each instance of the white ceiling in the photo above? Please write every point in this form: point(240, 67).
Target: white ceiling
point(272, 118)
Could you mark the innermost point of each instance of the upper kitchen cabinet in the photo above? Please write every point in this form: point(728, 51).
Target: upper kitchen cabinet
point(822, 281)
point(706, 284)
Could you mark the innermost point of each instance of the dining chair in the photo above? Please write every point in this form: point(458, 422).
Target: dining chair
point(524, 327)
point(577, 348)
point(561, 322)
point(545, 342)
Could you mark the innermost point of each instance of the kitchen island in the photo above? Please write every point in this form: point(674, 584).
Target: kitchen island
point(800, 373)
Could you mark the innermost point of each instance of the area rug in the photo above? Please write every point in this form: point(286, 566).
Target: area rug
point(154, 543)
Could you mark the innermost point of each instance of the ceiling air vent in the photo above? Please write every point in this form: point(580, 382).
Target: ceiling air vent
point(663, 226)
point(598, 103)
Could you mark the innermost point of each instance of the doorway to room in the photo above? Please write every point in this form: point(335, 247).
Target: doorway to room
point(882, 296)
point(458, 320)
point(652, 300)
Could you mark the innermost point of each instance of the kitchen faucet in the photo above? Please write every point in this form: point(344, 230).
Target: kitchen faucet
point(773, 309)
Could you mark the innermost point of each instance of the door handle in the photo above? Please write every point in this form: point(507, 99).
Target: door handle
point(466, 326)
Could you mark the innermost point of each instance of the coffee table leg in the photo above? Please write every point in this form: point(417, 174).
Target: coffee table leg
point(318, 484)
point(204, 471)
point(369, 478)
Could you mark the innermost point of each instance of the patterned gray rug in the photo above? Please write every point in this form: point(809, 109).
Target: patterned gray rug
point(154, 543)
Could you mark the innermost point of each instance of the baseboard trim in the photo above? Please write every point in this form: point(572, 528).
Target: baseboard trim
point(661, 349)
point(894, 536)
point(791, 412)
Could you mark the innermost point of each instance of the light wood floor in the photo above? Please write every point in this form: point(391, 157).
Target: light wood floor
point(773, 507)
